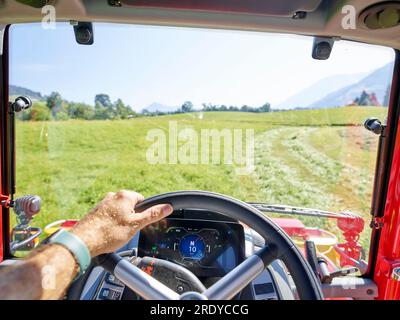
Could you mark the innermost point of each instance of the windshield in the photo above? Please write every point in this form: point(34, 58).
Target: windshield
point(159, 109)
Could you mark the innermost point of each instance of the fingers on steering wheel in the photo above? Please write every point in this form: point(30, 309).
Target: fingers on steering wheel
point(153, 214)
point(110, 195)
point(131, 195)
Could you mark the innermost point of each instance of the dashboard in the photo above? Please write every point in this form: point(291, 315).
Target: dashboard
point(207, 248)
point(206, 243)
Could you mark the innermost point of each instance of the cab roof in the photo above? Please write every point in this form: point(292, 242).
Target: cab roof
point(305, 17)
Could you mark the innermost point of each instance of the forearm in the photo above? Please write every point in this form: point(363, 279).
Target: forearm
point(45, 274)
point(48, 271)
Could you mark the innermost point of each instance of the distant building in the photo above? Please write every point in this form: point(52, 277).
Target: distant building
point(365, 99)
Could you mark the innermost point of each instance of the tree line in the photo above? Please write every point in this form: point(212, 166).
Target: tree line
point(245, 108)
point(54, 107)
point(187, 106)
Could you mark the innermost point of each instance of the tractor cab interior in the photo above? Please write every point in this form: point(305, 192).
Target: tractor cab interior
point(271, 127)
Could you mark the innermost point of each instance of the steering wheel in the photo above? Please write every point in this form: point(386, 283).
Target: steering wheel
point(278, 246)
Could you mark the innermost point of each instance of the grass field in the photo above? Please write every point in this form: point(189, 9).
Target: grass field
point(319, 158)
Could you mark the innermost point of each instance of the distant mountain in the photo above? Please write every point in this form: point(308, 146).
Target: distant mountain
point(21, 91)
point(319, 90)
point(156, 106)
point(376, 82)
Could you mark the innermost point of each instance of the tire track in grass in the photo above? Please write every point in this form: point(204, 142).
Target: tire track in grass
point(341, 178)
point(347, 183)
point(282, 183)
point(291, 171)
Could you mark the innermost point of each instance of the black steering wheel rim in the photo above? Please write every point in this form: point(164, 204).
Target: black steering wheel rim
point(307, 284)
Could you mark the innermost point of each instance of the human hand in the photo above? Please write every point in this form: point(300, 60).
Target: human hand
point(113, 222)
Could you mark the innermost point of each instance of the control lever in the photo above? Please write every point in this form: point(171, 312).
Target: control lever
point(311, 255)
point(26, 208)
point(327, 277)
point(25, 237)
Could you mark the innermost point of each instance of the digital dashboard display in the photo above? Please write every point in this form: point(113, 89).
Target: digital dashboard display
point(207, 248)
point(192, 246)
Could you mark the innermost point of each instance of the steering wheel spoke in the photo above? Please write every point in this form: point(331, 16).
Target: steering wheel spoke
point(233, 282)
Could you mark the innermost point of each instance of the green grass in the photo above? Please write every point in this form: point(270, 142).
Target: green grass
point(316, 158)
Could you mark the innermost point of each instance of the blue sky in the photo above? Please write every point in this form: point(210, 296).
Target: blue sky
point(143, 64)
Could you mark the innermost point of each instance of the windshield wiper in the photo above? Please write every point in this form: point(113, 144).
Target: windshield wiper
point(283, 209)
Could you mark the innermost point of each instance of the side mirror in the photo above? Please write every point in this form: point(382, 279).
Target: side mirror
point(20, 104)
point(322, 48)
point(374, 125)
point(83, 32)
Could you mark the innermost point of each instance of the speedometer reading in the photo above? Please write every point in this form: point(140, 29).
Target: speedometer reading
point(192, 246)
point(206, 248)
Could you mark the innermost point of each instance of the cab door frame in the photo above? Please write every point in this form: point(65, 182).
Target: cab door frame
point(5, 156)
point(385, 239)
